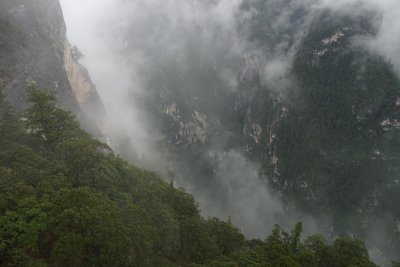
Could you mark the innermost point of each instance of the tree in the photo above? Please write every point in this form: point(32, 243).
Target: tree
point(45, 121)
point(88, 231)
point(10, 126)
point(78, 55)
point(20, 230)
point(347, 252)
point(227, 237)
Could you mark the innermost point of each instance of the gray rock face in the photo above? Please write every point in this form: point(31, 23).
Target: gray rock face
point(34, 47)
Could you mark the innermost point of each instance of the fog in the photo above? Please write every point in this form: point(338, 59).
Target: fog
point(132, 48)
point(175, 35)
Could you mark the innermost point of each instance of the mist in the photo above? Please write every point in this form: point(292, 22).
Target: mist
point(133, 48)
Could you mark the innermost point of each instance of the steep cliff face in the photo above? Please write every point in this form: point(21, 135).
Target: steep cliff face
point(81, 84)
point(34, 48)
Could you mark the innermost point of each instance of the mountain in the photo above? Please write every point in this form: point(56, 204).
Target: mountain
point(264, 116)
point(304, 100)
point(67, 200)
point(34, 48)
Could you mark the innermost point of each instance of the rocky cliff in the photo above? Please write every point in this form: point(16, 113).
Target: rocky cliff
point(34, 48)
point(81, 84)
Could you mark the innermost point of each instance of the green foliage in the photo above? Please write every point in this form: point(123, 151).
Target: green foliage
point(66, 200)
point(47, 123)
point(88, 231)
point(20, 230)
point(10, 129)
point(227, 237)
point(287, 249)
point(347, 252)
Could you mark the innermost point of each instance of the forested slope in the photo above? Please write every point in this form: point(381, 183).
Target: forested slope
point(67, 200)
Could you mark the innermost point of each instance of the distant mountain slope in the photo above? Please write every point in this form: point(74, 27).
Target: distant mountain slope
point(306, 100)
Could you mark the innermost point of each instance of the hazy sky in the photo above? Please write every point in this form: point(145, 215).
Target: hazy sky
point(84, 20)
point(82, 17)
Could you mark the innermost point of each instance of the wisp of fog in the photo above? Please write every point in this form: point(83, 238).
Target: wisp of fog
point(130, 46)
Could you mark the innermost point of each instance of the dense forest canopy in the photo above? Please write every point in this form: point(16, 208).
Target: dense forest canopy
point(67, 200)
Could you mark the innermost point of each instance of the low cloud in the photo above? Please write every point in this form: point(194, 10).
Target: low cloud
point(134, 49)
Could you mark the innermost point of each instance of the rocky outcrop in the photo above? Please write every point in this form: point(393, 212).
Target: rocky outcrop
point(34, 47)
point(81, 84)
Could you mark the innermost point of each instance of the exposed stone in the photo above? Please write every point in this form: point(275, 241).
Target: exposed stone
point(253, 130)
point(333, 39)
point(194, 130)
point(82, 86)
